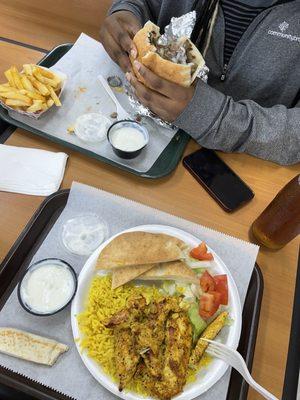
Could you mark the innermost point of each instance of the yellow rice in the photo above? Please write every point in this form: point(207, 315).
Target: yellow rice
point(97, 340)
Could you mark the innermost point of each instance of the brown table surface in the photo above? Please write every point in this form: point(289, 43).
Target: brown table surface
point(11, 54)
point(48, 23)
point(181, 195)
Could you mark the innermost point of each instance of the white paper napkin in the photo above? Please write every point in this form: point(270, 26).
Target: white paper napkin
point(30, 171)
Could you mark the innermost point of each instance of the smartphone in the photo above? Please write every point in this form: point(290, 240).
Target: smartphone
point(218, 179)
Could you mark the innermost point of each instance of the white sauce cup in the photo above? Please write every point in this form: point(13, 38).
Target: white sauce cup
point(23, 287)
point(127, 124)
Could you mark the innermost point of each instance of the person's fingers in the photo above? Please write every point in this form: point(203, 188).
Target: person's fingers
point(121, 37)
point(124, 39)
point(124, 62)
point(116, 36)
point(144, 93)
point(132, 27)
point(117, 54)
point(155, 101)
point(133, 51)
point(168, 89)
point(131, 23)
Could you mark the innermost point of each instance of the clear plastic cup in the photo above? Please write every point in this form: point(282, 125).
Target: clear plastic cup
point(83, 234)
point(92, 127)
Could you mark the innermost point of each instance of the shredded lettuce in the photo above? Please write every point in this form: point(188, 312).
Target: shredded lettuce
point(199, 271)
point(229, 321)
point(169, 287)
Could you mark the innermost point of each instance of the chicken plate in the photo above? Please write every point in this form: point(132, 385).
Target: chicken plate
point(155, 342)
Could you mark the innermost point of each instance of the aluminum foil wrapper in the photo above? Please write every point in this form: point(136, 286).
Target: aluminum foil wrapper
point(203, 73)
point(142, 111)
point(178, 27)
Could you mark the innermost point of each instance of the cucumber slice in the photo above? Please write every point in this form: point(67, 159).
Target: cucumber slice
point(198, 323)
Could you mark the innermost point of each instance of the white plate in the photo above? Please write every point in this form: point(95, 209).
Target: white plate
point(229, 335)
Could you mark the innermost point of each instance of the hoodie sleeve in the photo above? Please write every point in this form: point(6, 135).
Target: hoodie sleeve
point(144, 9)
point(218, 122)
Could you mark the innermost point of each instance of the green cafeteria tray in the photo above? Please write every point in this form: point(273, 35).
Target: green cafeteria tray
point(163, 166)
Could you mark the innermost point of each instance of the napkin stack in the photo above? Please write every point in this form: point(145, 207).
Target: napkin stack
point(31, 171)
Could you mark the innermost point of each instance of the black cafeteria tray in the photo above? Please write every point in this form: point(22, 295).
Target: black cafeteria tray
point(15, 386)
point(163, 166)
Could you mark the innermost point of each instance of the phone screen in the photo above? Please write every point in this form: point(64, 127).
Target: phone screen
point(218, 179)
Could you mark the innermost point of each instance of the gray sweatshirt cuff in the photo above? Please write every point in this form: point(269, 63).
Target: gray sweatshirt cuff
point(202, 111)
point(124, 6)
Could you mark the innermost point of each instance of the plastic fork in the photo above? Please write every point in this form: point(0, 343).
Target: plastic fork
point(122, 114)
point(233, 358)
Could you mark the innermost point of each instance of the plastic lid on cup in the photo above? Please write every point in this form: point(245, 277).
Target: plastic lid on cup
point(92, 127)
point(82, 234)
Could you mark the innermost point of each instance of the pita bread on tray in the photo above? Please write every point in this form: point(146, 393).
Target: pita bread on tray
point(120, 276)
point(140, 248)
point(30, 347)
point(182, 74)
point(176, 270)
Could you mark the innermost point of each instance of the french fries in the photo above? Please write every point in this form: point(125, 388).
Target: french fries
point(17, 96)
point(36, 106)
point(27, 68)
point(50, 103)
point(54, 97)
point(16, 78)
point(33, 90)
point(9, 77)
point(27, 84)
point(41, 88)
point(14, 102)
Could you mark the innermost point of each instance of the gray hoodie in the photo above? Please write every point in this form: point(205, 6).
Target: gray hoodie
point(254, 105)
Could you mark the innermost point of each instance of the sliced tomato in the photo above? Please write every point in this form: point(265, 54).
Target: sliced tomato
point(209, 304)
point(221, 286)
point(202, 248)
point(200, 253)
point(207, 282)
point(217, 297)
point(206, 257)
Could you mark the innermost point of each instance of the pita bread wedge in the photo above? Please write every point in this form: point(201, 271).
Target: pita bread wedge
point(159, 60)
point(30, 347)
point(140, 248)
point(176, 270)
point(120, 276)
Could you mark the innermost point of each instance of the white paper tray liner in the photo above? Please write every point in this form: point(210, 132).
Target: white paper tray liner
point(83, 94)
point(69, 374)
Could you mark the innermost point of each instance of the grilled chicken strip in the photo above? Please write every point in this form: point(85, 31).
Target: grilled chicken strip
point(126, 356)
point(178, 344)
point(133, 311)
point(210, 333)
point(150, 334)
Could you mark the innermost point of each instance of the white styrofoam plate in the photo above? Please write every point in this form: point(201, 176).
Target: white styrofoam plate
point(207, 377)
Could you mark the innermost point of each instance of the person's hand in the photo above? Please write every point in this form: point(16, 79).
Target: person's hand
point(116, 36)
point(164, 98)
